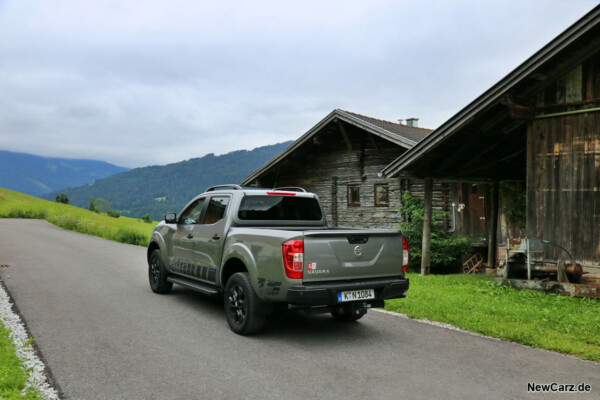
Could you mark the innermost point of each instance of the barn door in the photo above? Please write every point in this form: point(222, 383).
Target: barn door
point(476, 208)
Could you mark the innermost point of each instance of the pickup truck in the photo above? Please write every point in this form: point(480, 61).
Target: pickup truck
point(266, 249)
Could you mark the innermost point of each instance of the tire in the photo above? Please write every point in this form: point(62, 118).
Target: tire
point(242, 306)
point(157, 274)
point(348, 314)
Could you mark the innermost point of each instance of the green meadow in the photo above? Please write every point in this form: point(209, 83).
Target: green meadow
point(477, 303)
point(122, 229)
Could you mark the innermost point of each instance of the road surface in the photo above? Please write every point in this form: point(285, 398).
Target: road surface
point(105, 335)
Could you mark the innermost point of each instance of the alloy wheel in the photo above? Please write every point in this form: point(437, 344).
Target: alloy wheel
point(237, 304)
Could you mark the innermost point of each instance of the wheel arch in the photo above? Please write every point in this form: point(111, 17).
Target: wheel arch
point(151, 247)
point(232, 266)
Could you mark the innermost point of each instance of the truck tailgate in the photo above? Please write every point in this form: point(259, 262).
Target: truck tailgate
point(352, 254)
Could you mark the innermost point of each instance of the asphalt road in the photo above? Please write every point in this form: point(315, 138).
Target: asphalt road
point(105, 335)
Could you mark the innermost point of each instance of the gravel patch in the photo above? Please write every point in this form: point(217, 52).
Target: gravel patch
point(18, 334)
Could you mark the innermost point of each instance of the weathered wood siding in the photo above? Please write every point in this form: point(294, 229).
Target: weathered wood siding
point(329, 174)
point(563, 175)
point(328, 170)
point(563, 164)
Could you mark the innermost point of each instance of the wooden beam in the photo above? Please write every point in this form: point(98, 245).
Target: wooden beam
point(334, 205)
point(374, 143)
point(427, 214)
point(344, 135)
point(519, 107)
point(520, 112)
point(493, 225)
point(569, 62)
point(490, 123)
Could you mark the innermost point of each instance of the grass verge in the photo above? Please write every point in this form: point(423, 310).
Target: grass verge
point(123, 229)
point(12, 376)
point(477, 303)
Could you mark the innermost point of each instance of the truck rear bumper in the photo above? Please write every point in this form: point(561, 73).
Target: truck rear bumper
point(326, 293)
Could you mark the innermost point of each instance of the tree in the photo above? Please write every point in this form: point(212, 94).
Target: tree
point(62, 198)
point(446, 248)
point(93, 207)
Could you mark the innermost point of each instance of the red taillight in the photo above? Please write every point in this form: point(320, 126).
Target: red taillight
point(281, 193)
point(293, 258)
point(404, 254)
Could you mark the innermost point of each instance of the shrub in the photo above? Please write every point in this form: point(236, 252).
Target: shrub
point(146, 218)
point(113, 213)
point(93, 207)
point(514, 203)
point(446, 248)
point(62, 198)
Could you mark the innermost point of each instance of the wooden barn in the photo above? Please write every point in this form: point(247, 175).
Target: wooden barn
point(540, 125)
point(340, 159)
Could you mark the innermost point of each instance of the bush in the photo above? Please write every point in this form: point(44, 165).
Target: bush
point(514, 203)
point(93, 207)
point(62, 198)
point(146, 218)
point(446, 248)
point(113, 213)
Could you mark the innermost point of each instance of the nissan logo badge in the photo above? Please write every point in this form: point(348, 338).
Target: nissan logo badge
point(358, 251)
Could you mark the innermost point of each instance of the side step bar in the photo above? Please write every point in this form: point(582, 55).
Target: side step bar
point(197, 286)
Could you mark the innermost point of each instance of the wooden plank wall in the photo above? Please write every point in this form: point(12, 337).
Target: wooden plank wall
point(563, 175)
point(328, 172)
point(328, 175)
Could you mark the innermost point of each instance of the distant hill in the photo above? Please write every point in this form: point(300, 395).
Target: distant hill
point(36, 175)
point(157, 190)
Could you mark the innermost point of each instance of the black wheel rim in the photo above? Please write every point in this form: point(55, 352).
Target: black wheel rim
point(154, 271)
point(237, 304)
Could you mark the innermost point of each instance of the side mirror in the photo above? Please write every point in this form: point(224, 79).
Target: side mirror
point(171, 218)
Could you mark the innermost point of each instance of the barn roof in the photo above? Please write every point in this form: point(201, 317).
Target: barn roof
point(409, 132)
point(401, 135)
point(486, 140)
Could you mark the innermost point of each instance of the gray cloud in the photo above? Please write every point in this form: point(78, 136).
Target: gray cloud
point(155, 82)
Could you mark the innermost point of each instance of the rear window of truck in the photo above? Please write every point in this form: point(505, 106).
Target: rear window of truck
point(279, 208)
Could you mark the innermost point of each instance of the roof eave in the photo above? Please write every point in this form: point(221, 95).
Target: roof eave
point(494, 94)
point(339, 114)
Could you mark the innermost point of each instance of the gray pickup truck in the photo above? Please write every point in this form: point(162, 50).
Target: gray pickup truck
point(266, 249)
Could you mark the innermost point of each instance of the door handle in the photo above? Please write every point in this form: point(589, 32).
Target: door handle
point(216, 237)
point(190, 236)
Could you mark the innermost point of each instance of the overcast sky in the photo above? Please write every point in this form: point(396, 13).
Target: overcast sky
point(139, 83)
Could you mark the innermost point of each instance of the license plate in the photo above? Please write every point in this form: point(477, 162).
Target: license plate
point(354, 295)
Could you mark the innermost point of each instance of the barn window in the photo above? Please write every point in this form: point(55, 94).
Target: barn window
point(382, 195)
point(353, 195)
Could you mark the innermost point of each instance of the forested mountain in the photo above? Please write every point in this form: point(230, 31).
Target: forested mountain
point(36, 175)
point(157, 190)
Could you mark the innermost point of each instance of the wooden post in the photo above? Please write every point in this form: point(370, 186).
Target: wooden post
point(427, 215)
point(493, 225)
point(334, 205)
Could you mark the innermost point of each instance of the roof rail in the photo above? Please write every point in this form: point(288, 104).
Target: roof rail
point(291, 189)
point(224, 187)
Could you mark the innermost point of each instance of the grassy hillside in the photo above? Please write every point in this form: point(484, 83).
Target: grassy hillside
point(35, 175)
point(157, 190)
point(124, 230)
